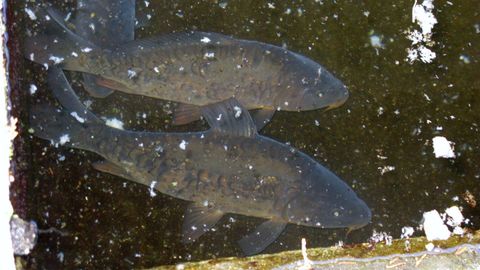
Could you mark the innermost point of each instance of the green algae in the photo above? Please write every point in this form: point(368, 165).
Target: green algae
point(366, 250)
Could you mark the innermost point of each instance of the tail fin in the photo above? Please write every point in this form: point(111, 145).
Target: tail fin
point(72, 126)
point(57, 45)
point(59, 127)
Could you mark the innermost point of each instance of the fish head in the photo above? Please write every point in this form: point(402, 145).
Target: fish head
point(325, 201)
point(311, 87)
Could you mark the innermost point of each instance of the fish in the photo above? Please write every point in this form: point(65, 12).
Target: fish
point(106, 23)
point(195, 69)
point(229, 168)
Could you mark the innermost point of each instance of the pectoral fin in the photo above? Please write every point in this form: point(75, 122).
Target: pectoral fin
point(90, 85)
point(186, 113)
point(262, 237)
point(198, 220)
point(111, 168)
point(262, 117)
point(230, 117)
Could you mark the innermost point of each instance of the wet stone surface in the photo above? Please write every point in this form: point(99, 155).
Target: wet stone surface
point(379, 141)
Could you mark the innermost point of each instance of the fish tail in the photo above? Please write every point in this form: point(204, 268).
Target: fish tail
point(60, 127)
point(73, 126)
point(58, 45)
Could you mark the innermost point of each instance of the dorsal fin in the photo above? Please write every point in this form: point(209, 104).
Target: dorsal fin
point(230, 117)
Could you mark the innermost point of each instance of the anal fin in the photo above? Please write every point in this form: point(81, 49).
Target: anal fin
point(262, 117)
point(262, 237)
point(198, 220)
point(186, 113)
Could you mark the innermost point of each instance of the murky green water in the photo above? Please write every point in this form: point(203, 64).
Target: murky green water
point(394, 111)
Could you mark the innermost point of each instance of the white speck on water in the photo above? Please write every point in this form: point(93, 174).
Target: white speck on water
point(454, 216)
point(238, 111)
point(74, 54)
point(56, 60)
point(181, 68)
point(386, 169)
point(271, 5)
point(223, 4)
point(61, 158)
point(427, 97)
point(156, 69)
point(67, 17)
point(33, 89)
point(32, 57)
point(77, 117)
point(376, 41)
point(92, 26)
point(194, 228)
point(209, 55)
point(202, 136)
point(159, 149)
point(250, 167)
point(465, 59)
point(219, 117)
point(422, 14)
point(87, 49)
point(407, 232)
point(183, 145)
point(317, 123)
point(434, 227)
point(366, 13)
point(205, 203)
point(140, 145)
point(64, 139)
point(31, 14)
point(149, 16)
point(114, 123)
point(131, 73)
point(152, 189)
point(205, 40)
point(442, 148)
point(429, 246)
point(146, 3)
point(288, 11)
point(286, 103)
point(380, 111)
point(225, 147)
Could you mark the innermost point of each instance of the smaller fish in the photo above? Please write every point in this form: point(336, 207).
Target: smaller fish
point(195, 69)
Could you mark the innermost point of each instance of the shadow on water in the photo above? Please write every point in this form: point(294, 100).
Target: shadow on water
point(394, 111)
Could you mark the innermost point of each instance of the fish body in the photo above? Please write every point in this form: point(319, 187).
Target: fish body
point(229, 168)
point(106, 23)
point(196, 68)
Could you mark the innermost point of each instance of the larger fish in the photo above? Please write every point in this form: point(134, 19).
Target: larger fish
point(106, 23)
point(196, 69)
point(229, 168)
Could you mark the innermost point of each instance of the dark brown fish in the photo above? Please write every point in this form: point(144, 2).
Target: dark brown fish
point(229, 168)
point(195, 69)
